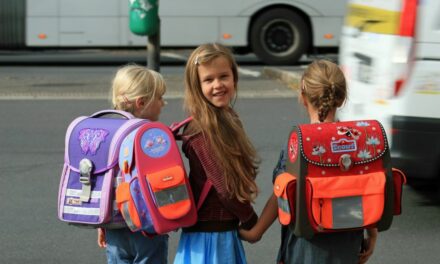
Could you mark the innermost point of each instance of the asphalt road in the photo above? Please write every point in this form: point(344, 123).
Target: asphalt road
point(31, 163)
point(32, 143)
point(32, 155)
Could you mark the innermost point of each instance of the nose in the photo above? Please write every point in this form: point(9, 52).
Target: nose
point(217, 83)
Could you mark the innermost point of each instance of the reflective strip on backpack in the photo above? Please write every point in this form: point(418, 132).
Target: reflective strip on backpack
point(347, 212)
point(77, 193)
point(283, 204)
point(171, 195)
point(115, 206)
point(127, 217)
point(81, 210)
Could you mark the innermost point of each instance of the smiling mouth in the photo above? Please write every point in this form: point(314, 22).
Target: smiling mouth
point(219, 94)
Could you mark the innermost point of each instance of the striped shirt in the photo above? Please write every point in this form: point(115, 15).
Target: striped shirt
point(219, 212)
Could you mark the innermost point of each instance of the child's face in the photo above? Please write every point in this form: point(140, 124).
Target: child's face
point(217, 81)
point(150, 110)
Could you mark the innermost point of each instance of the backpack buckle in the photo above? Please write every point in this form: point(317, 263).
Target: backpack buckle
point(85, 170)
point(345, 162)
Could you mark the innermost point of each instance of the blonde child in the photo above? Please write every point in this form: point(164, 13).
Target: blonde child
point(323, 90)
point(139, 91)
point(218, 151)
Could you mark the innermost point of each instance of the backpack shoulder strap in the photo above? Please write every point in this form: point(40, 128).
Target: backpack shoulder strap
point(206, 188)
point(176, 126)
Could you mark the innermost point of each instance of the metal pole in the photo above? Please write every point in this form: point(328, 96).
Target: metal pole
point(153, 51)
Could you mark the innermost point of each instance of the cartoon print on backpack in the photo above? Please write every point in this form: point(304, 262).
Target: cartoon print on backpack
point(155, 143)
point(90, 139)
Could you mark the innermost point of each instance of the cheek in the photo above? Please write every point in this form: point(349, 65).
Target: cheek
point(205, 91)
point(232, 86)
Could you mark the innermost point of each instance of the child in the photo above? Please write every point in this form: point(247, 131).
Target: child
point(139, 91)
point(218, 151)
point(323, 90)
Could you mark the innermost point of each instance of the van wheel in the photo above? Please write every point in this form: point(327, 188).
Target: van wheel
point(279, 36)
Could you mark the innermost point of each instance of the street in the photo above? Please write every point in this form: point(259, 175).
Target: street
point(39, 103)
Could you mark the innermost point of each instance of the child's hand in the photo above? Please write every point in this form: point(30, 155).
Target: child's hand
point(101, 238)
point(249, 235)
point(369, 244)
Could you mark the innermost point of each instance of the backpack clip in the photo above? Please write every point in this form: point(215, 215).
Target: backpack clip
point(85, 170)
point(345, 162)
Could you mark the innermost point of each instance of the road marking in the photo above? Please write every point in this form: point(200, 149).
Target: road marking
point(184, 58)
point(173, 55)
point(249, 72)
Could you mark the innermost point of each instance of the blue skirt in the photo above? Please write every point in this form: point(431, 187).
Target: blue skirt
point(210, 248)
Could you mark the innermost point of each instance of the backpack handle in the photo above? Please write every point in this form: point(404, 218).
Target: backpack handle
point(176, 126)
point(113, 112)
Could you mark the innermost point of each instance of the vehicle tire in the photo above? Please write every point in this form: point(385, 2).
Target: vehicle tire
point(279, 36)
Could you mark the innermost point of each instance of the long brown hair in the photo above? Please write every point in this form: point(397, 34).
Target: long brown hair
point(323, 84)
point(221, 126)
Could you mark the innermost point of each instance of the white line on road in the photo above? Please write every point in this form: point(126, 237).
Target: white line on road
point(184, 58)
point(173, 55)
point(249, 72)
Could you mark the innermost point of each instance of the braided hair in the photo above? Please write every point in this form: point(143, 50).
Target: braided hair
point(324, 86)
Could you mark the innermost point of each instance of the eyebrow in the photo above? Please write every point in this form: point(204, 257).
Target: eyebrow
point(220, 73)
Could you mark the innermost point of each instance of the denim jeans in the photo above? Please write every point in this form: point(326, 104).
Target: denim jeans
point(124, 246)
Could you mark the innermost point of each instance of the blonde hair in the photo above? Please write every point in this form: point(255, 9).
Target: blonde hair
point(221, 126)
point(323, 85)
point(132, 82)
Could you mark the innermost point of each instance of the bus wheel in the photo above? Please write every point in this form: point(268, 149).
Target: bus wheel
point(279, 37)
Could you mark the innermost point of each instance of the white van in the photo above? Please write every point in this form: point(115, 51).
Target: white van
point(390, 53)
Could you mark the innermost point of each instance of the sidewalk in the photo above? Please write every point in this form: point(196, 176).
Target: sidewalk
point(91, 57)
point(83, 81)
point(289, 78)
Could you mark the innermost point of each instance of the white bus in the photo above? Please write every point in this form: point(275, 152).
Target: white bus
point(277, 31)
point(390, 51)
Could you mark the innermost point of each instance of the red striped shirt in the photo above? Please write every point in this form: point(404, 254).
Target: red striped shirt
point(220, 211)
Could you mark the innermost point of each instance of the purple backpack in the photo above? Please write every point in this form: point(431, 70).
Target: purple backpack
point(91, 173)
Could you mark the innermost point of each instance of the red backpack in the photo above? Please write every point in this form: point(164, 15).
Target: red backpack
point(155, 195)
point(338, 177)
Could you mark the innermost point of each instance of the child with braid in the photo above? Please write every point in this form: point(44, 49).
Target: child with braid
point(323, 90)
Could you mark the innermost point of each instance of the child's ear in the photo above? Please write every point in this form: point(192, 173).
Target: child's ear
point(303, 99)
point(139, 103)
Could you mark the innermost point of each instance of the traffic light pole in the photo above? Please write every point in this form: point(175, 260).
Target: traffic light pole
point(153, 51)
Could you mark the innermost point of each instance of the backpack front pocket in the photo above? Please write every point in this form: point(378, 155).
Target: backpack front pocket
point(170, 192)
point(345, 202)
point(127, 206)
point(284, 189)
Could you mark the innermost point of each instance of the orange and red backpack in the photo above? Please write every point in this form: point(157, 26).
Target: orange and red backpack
point(338, 177)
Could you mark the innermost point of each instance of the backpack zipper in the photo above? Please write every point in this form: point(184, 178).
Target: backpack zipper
point(321, 203)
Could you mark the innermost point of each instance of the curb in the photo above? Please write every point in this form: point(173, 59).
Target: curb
point(291, 79)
